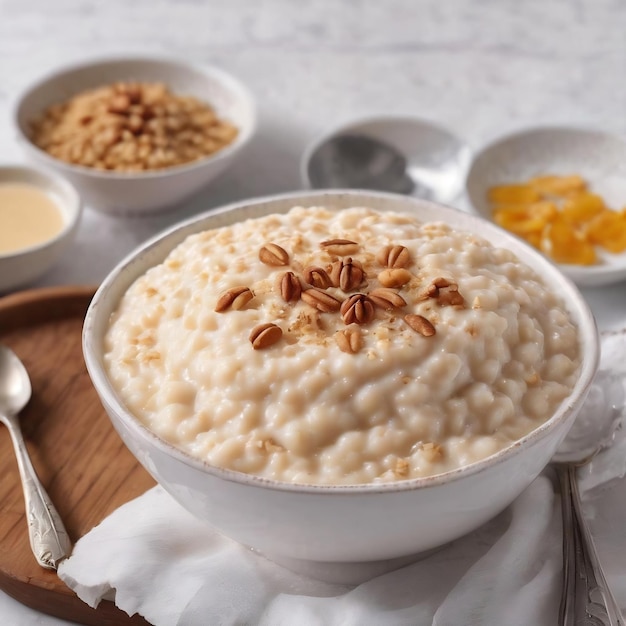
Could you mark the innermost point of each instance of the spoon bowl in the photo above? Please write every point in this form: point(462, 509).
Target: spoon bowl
point(49, 540)
point(403, 155)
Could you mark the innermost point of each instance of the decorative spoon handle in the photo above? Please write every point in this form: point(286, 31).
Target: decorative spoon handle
point(49, 540)
point(586, 599)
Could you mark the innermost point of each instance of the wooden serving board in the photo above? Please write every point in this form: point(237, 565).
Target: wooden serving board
point(79, 458)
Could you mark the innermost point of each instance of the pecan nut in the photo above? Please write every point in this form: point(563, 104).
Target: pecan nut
point(321, 300)
point(349, 340)
point(273, 254)
point(357, 309)
point(348, 275)
point(394, 256)
point(234, 298)
point(290, 287)
point(420, 325)
point(387, 299)
point(340, 247)
point(317, 276)
point(265, 335)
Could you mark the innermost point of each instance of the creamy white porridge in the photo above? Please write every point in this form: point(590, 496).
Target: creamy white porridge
point(430, 348)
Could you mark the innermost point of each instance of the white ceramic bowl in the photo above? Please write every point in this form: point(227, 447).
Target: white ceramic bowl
point(120, 192)
point(436, 159)
point(23, 266)
point(599, 157)
point(300, 524)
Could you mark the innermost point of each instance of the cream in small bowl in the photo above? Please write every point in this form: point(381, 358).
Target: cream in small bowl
point(39, 214)
point(376, 416)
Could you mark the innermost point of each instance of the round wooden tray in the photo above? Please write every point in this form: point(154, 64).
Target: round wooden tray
point(72, 444)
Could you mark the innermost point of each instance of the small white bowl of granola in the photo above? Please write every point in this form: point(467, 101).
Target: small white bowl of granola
point(340, 376)
point(136, 135)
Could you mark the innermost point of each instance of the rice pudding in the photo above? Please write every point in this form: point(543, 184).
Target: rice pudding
point(341, 347)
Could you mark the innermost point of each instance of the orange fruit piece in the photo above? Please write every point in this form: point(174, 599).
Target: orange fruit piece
point(558, 185)
point(525, 219)
point(608, 229)
point(564, 245)
point(582, 208)
point(512, 194)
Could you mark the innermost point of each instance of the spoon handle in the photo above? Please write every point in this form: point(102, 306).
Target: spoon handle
point(49, 540)
point(586, 598)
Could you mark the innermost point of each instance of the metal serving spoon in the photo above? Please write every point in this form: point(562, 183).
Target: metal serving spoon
point(434, 170)
point(49, 540)
point(586, 599)
point(357, 161)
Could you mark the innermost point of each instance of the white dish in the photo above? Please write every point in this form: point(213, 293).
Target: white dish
point(300, 524)
point(599, 157)
point(145, 192)
point(436, 159)
point(24, 265)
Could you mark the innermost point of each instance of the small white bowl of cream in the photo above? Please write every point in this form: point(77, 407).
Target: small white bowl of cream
point(39, 214)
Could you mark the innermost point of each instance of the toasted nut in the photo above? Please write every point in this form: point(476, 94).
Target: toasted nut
point(317, 276)
point(387, 299)
point(265, 335)
point(273, 254)
point(290, 287)
point(357, 309)
point(394, 256)
point(119, 104)
point(347, 274)
point(441, 282)
point(234, 298)
point(340, 247)
point(450, 297)
point(349, 340)
point(394, 277)
point(432, 451)
point(420, 325)
point(321, 300)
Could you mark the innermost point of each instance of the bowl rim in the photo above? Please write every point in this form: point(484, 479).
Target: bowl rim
point(583, 274)
point(233, 83)
point(74, 206)
point(346, 125)
point(588, 337)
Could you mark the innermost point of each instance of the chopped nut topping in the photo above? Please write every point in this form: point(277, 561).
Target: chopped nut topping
point(340, 247)
point(357, 309)
point(445, 291)
point(273, 254)
point(265, 335)
point(477, 304)
point(387, 299)
point(432, 451)
point(349, 340)
point(268, 445)
point(318, 277)
point(321, 300)
point(234, 298)
point(441, 282)
point(394, 256)
point(533, 379)
point(420, 325)
point(450, 297)
point(290, 287)
point(348, 275)
point(394, 277)
point(402, 467)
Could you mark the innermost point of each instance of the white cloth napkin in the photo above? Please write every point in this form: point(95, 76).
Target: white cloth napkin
point(154, 558)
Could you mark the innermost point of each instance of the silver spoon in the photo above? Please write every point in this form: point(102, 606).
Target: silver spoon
point(586, 598)
point(49, 540)
point(356, 161)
